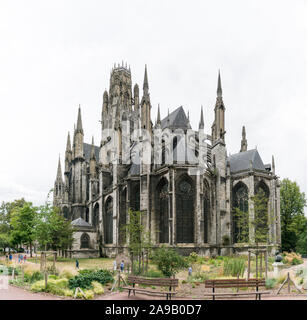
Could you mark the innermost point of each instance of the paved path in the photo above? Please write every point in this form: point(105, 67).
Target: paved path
point(14, 293)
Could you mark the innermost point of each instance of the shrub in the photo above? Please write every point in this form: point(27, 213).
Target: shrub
point(54, 286)
point(168, 261)
point(234, 267)
point(53, 276)
point(292, 258)
point(270, 283)
point(38, 286)
point(68, 293)
point(85, 278)
point(97, 287)
point(89, 294)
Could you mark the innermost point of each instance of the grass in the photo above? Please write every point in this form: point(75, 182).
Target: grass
point(68, 264)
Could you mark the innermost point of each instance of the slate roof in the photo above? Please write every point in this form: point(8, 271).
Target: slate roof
point(241, 161)
point(87, 151)
point(177, 119)
point(80, 223)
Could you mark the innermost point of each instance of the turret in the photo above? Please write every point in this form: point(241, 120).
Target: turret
point(243, 141)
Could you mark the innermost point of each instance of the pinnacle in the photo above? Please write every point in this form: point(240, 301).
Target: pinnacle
point(201, 122)
point(68, 145)
point(219, 86)
point(145, 84)
point(79, 121)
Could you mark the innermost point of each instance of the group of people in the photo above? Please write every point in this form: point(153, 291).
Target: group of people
point(21, 258)
point(121, 266)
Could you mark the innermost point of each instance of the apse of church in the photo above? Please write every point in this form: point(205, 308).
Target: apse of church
point(183, 181)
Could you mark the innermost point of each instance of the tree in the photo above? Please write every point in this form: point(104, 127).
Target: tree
point(52, 230)
point(301, 245)
point(6, 210)
point(23, 225)
point(262, 219)
point(168, 261)
point(292, 204)
point(260, 223)
point(139, 241)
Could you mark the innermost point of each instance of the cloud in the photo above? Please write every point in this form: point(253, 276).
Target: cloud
point(58, 54)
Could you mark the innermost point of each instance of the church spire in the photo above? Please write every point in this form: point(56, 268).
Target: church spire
point(79, 121)
point(201, 121)
point(243, 140)
point(68, 144)
point(59, 172)
point(145, 84)
point(219, 86)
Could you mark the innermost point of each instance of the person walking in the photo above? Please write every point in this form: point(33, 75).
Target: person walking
point(122, 266)
point(25, 258)
point(190, 271)
point(77, 264)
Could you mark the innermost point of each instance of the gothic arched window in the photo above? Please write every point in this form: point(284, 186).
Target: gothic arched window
point(109, 221)
point(162, 208)
point(261, 202)
point(240, 213)
point(85, 241)
point(185, 211)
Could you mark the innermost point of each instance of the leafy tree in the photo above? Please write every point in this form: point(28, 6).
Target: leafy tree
point(6, 210)
point(52, 230)
point(139, 241)
point(301, 245)
point(242, 225)
point(23, 225)
point(292, 204)
point(260, 223)
point(262, 219)
point(168, 261)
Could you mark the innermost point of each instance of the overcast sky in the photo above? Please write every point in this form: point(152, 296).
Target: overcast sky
point(55, 55)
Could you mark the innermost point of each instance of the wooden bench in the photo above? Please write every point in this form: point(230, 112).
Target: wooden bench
point(159, 282)
point(235, 283)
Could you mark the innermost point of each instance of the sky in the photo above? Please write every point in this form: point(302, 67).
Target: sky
point(55, 55)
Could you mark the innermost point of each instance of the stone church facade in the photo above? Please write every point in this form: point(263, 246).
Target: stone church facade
point(182, 180)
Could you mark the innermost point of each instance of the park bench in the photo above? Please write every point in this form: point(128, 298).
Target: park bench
point(170, 283)
point(235, 283)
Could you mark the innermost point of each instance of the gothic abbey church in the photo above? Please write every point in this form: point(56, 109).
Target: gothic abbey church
point(183, 204)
